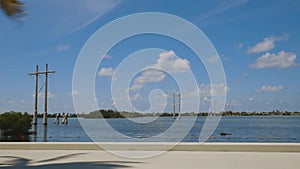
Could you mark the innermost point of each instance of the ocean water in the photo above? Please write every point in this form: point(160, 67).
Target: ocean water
point(163, 129)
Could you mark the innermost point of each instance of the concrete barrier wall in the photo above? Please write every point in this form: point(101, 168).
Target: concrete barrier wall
point(224, 147)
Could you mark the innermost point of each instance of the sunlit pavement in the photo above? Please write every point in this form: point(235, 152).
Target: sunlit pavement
point(96, 159)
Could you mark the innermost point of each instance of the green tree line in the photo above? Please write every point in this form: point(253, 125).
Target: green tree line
point(15, 123)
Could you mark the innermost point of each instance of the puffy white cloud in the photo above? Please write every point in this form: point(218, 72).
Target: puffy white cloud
point(212, 89)
point(270, 88)
point(106, 71)
point(266, 45)
point(147, 76)
point(168, 61)
point(137, 86)
point(169, 53)
point(150, 76)
point(74, 92)
point(251, 99)
point(282, 60)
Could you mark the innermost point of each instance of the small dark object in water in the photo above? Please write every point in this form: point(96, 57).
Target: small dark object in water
point(225, 134)
point(31, 132)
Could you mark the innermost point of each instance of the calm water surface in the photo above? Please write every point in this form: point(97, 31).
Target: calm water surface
point(241, 129)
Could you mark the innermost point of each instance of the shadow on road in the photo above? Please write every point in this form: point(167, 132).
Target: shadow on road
point(13, 162)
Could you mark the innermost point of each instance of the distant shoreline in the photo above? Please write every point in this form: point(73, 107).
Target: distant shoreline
point(115, 114)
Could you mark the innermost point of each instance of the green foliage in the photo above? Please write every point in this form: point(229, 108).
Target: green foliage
point(15, 123)
point(110, 114)
point(116, 114)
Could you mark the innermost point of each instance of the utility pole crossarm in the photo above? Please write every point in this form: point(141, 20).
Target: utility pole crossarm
point(36, 93)
point(38, 73)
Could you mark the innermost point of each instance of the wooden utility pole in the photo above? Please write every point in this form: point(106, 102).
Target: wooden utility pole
point(174, 106)
point(46, 95)
point(179, 104)
point(36, 94)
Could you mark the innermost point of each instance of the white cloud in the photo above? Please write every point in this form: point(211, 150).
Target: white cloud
point(96, 10)
point(212, 59)
point(219, 9)
point(106, 71)
point(266, 45)
point(42, 95)
point(148, 76)
point(62, 48)
point(251, 99)
point(74, 92)
point(270, 88)
point(206, 100)
point(107, 56)
point(137, 86)
point(136, 97)
point(168, 61)
point(61, 17)
point(212, 89)
point(282, 60)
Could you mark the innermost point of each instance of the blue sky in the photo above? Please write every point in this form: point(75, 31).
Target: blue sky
point(257, 42)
